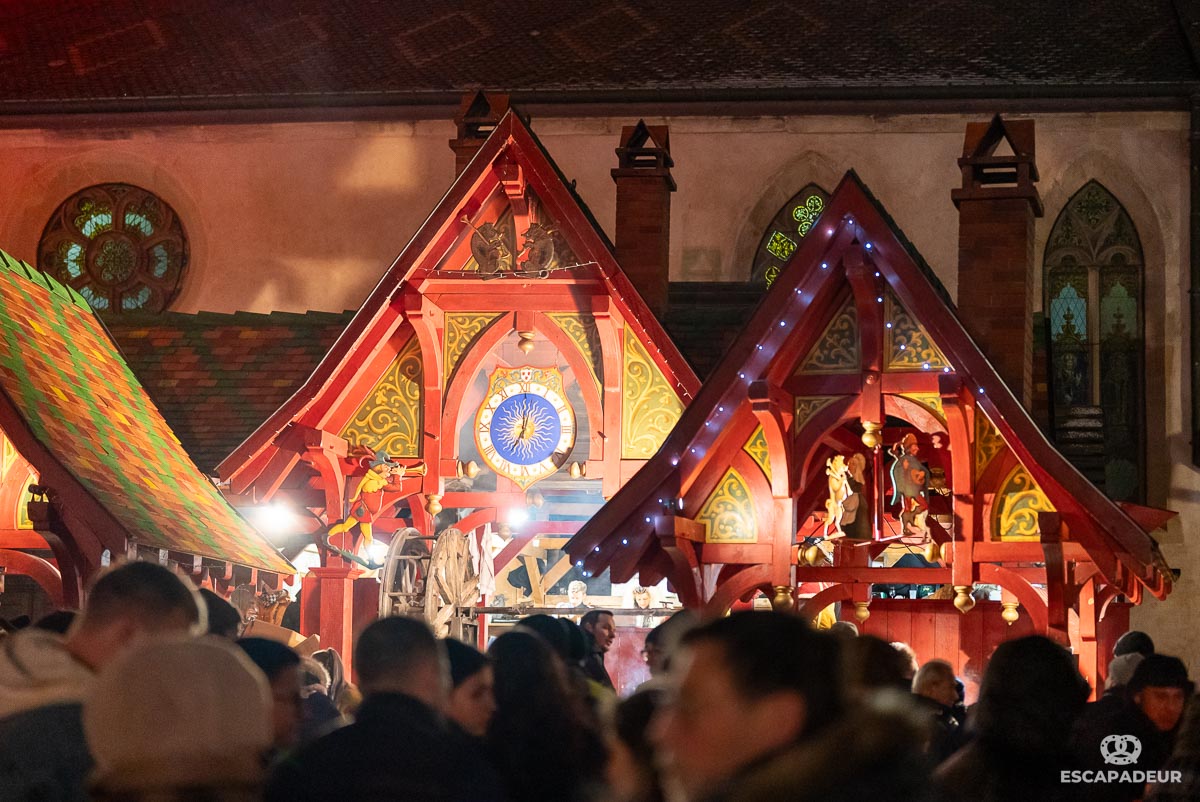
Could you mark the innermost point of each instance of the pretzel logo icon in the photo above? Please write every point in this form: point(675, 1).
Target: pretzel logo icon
point(1120, 750)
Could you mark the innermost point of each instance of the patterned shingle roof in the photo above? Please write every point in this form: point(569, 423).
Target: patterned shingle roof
point(79, 400)
point(217, 377)
point(285, 53)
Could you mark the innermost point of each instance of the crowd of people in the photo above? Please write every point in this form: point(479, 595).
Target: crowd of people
point(149, 693)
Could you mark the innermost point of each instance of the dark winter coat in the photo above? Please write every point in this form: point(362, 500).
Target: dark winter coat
point(397, 748)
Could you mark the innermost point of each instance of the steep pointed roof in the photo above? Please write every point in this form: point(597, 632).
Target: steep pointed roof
point(510, 149)
point(73, 409)
point(790, 322)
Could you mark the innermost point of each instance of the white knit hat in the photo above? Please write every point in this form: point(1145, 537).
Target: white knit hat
point(175, 713)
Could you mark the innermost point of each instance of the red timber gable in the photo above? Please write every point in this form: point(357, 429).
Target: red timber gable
point(509, 272)
point(855, 364)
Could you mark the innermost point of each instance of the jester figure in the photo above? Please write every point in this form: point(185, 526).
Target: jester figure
point(366, 504)
point(909, 479)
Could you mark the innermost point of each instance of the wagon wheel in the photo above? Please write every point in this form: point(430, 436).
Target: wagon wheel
point(451, 584)
point(402, 579)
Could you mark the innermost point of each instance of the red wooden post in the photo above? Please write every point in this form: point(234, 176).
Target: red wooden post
point(328, 608)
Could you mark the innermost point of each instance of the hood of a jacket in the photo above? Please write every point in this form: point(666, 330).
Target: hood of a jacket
point(36, 670)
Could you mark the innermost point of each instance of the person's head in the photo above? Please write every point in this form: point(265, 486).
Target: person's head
point(576, 641)
point(245, 600)
point(1133, 642)
point(871, 664)
point(631, 769)
point(281, 666)
point(911, 663)
point(766, 673)
point(1160, 688)
point(314, 678)
point(1030, 696)
point(601, 626)
point(401, 655)
point(663, 641)
point(129, 602)
point(223, 619)
point(642, 598)
point(552, 630)
point(576, 593)
point(332, 661)
point(216, 731)
point(844, 629)
point(472, 696)
point(935, 680)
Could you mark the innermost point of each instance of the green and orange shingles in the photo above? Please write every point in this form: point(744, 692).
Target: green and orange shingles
point(82, 402)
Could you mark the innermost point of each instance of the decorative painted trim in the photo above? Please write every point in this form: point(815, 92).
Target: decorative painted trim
point(931, 401)
point(837, 350)
point(728, 512)
point(1017, 504)
point(908, 345)
point(649, 406)
point(581, 328)
point(808, 406)
point(757, 448)
point(390, 417)
point(988, 442)
point(461, 331)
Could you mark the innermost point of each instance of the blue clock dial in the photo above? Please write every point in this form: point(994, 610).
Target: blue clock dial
point(525, 429)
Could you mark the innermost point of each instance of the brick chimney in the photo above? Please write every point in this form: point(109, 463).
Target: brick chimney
point(644, 187)
point(997, 204)
point(478, 115)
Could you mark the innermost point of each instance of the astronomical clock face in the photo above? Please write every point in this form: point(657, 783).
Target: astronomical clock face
point(525, 429)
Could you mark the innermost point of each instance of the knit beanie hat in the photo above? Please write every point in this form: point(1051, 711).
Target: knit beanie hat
point(1121, 669)
point(465, 661)
point(1133, 641)
point(175, 713)
point(1159, 671)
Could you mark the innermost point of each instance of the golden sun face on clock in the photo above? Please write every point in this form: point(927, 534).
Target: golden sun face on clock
point(525, 429)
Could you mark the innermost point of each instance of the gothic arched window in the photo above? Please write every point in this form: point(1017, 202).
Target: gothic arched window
point(121, 247)
point(1093, 288)
point(785, 231)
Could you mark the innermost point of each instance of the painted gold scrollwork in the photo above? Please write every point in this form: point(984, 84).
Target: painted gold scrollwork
point(909, 346)
point(461, 331)
point(808, 406)
point(837, 351)
point(649, 406)
point(1017, 506)
point(988, 442)
point(728, 512)
point(389, 419)
point(582, 330)
point(757, 448)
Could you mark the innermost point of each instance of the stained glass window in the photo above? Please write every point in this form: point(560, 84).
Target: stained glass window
point(1093, 287)
point(120, 246)
point(785, 232)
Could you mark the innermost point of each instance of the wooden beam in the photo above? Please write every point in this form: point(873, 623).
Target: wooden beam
point(1024, 552)
point(876, 576)
point(22, 539)
point(736, 553)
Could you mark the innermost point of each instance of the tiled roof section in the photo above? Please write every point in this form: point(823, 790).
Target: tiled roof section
point(704, 317)
point(217, 377)
point(285, 53)
point(79, 399)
